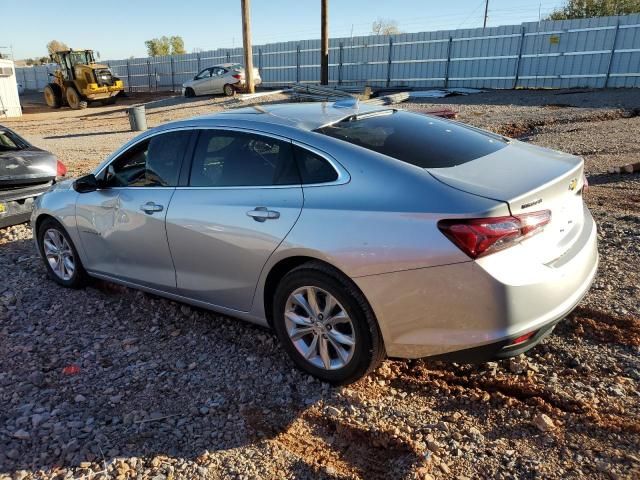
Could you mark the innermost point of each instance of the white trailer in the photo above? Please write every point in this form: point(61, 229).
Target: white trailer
point(9, 98)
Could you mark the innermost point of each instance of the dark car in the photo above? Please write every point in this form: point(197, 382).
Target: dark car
point(25, 172)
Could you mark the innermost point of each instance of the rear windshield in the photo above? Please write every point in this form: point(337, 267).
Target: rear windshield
point(11, 141)
point(421, 140)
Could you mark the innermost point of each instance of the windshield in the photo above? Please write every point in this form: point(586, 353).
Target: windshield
point(10, 141)
point(421, 140)
point(80, 58)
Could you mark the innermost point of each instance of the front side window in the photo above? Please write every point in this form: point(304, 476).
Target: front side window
point(151, 163)
point(204, 74)
point(238, 159)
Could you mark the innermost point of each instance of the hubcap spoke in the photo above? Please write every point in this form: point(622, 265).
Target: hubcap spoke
point(340, 317)
point(49, 245)
point(324, 353)
point(302, 302)
point(298, 333)
point(297, 319)
point(342, 353)
point(341, 338)
point(313, 301)
point(312, 349)
point(329, 305)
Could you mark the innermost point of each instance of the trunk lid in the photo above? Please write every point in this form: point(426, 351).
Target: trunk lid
point(528, 179)
point(30, 165)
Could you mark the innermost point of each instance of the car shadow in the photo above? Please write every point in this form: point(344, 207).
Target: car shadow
point(84, 134)
point(607, 178)
point(107, 373)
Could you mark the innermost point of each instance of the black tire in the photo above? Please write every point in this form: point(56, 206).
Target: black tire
point(79, 277)
point(74, 100)
point(369, 347)
point(228, 90)
point(189, 92)
point(108, 101)
point(53, 95)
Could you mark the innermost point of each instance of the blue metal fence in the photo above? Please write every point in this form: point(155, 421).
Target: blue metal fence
point(594, 52)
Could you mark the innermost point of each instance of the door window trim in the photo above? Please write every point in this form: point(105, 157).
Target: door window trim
point(343, 175)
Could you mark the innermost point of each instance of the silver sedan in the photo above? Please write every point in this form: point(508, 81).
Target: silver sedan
point(355, 232)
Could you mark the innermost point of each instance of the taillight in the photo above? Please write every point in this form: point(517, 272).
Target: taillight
point(585, 184)
point(237, 77)
point(61, 170)
point(481, 236)
point(522, 338)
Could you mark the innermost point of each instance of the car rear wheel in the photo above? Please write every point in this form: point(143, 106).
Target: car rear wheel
point(228, 90)
point(326, 325)
point(74, 100)
point(60, 255)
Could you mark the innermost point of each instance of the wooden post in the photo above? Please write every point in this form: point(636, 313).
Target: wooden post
point(324, 43)
point(246, 42)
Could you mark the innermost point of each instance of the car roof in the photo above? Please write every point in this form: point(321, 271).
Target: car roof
point(225, 65)
point(302, 115)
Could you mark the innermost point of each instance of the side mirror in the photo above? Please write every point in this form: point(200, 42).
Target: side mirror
point(195, 78)
point(50, 74)
point(86, 184)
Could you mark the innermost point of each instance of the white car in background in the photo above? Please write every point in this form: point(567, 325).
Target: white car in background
point(226, 78)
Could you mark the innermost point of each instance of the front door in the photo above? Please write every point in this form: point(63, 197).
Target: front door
point(244, 196)
point(203, 82)
point(122, 225)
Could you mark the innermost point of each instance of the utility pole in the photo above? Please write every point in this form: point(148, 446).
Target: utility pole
point(324, 43)
point(486, 13)
point(246, 43)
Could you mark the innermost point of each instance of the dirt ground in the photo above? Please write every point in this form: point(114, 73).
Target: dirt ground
point(113, 382)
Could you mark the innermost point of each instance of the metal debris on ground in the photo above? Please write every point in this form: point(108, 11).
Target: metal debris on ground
point(318, 93)
point(244, 97)
point(446, 92)
point(388, 99)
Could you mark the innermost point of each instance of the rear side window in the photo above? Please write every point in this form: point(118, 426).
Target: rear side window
point(421, 140)
point(237, 159)
point(313, 168)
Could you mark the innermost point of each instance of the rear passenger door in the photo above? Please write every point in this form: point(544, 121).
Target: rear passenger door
point(218, 79)
point(243, 197)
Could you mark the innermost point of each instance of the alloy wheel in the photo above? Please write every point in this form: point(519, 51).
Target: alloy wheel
point(59, 254)
point(319, 328)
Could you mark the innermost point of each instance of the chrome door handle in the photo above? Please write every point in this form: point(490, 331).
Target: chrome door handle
point(261, 214)
point(151, 207)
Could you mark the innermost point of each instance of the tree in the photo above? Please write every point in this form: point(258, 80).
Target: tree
point(55, 46)
point(385, 26)
point(177, 45)
point(165, 46)
point(594, 8)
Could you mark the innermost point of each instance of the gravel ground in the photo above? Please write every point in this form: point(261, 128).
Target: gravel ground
point(112, 383)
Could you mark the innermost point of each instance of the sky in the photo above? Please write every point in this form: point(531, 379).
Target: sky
point(119, 29)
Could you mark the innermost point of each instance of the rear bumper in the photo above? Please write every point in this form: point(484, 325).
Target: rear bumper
point(16, 205)
point(473, 310)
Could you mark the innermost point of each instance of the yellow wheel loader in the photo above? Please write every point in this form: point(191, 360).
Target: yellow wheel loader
point(80, 80)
